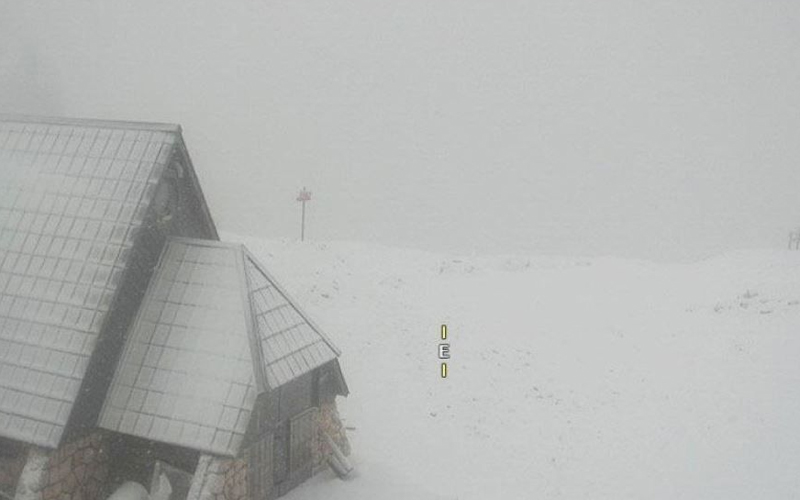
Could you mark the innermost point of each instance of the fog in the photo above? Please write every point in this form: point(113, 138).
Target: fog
point(659, 130)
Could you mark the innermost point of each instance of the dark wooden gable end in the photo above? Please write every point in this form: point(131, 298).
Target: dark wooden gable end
point(283, 427)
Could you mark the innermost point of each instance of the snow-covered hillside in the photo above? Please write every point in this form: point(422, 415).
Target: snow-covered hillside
point(570, 378)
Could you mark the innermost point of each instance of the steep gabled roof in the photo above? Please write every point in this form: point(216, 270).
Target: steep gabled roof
point(73, 194)
point(290, 344)
point(214, 330)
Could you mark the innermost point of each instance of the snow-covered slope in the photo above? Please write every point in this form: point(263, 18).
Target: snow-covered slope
point(570, 378)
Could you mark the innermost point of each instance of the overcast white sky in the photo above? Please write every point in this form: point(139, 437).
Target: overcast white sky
point(655, 129)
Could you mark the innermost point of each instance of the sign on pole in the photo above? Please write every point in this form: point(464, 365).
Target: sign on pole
point(303, 197)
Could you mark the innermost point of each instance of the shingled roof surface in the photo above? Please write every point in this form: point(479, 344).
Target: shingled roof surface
point(213, 331)
point(72, 194)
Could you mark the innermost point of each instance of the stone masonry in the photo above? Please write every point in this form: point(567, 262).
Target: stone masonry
point(219, 478)
point(328, 422)
point(76, 471)
point(33, 478)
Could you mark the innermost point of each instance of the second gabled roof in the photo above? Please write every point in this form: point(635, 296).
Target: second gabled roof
point(214, 330)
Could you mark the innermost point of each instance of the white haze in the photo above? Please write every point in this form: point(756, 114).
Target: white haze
point(659, 129)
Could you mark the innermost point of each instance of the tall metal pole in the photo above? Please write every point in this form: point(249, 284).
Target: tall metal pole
point(303, 223)
point(303, 197)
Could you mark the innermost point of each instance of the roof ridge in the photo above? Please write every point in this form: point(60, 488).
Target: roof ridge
point(259, 373)
point(91, 122)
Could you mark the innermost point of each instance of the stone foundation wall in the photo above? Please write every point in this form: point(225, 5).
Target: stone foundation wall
point(328, 422)
point(234, 473)
point(76, 471)
point(219, 479)
point(33, 478)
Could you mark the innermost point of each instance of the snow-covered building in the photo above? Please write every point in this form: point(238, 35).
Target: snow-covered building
point(132, 340)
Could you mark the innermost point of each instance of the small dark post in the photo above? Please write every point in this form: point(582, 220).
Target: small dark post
point(303, 197)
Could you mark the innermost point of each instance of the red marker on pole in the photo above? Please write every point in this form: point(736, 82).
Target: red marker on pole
point(303, 197)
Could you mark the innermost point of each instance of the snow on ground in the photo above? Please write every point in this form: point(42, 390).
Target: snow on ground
point(570, 378)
